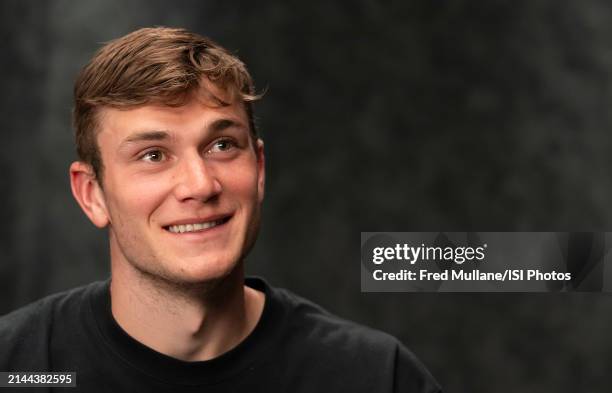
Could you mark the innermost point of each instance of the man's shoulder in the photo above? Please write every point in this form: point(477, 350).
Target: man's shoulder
point(323, 327)
point(352, 352)
point(25, 333)
point(41, 309)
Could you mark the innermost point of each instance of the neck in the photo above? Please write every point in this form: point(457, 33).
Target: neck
point(187, 322)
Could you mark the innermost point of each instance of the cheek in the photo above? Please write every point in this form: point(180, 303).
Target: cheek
point(135, 197)
point(241, 184)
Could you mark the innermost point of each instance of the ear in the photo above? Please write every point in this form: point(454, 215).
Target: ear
point(261, 169)
point(88, 193)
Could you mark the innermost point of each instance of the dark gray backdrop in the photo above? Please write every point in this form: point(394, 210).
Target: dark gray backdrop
point(420, 116)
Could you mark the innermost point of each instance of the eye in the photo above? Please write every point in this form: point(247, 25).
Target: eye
point(154, 156)
point(222, 145)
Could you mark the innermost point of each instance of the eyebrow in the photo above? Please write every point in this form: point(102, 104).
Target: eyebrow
point(223, 124)
point(160, 135)
point(146, 136)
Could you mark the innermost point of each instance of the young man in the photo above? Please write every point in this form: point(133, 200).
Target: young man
point(170, 163)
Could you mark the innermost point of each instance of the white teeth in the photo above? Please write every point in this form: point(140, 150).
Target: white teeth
point(193, 227)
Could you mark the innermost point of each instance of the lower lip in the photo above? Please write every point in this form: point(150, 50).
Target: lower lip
point(201, 233)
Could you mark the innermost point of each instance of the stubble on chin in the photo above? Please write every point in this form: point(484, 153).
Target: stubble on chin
point(211, 289)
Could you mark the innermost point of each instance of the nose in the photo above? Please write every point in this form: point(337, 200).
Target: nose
point(196, 180)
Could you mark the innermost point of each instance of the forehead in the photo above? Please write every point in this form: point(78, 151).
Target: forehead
point(195, 115)
point(206, 101)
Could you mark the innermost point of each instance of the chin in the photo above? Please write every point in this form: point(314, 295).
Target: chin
point(212, 270)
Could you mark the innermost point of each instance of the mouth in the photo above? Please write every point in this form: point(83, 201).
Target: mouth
point(196, 226)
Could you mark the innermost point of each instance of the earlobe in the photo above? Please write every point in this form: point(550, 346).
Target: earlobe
point(261, 170)
point(88, 193)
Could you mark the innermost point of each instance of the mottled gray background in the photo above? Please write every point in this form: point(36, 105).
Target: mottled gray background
point(404, 116)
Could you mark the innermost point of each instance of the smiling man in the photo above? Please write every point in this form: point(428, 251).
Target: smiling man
point(171, 164)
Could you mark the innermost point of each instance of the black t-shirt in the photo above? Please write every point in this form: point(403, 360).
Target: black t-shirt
point(295, 347)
